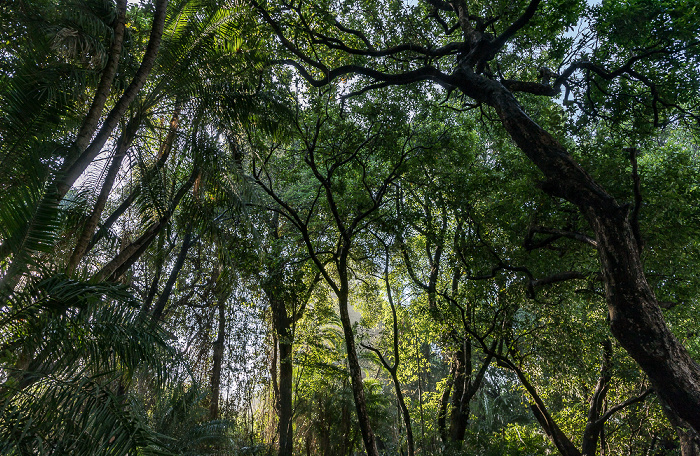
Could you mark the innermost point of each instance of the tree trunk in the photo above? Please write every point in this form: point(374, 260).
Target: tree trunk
point(217, 359)
point(688, 438)
point(123, 145)
point(72, 169)
point(459, 416)
point(353, 362)
point(159, 308)
point(404, 413)
point(636, 320)
point(282, 326)
point(286, 388)
point(444, 401)
point(594, 426)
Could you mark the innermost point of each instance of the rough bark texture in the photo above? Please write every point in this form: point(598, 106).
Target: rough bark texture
point(689, 439)
point(636, 320)
point(459, 416)
point(282, 326)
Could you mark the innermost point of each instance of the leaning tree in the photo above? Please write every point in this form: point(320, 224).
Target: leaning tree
point(627, 64)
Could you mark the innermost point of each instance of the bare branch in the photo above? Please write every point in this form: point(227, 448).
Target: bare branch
point(521, 22)
point(627, 403)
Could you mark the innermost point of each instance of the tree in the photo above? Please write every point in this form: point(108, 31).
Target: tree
point(352, 164)
point(480, 65)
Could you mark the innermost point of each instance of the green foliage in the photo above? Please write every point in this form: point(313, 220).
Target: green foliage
point(417, 182)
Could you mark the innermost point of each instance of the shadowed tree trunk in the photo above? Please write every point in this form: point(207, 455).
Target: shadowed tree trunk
point(688, 438)
point(159, 308)
point(459, 414)
point(444, 402)
point(283, 329)
point(218, 358)
point(635, 319)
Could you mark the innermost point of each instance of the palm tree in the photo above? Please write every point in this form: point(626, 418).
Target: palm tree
point(71, 341)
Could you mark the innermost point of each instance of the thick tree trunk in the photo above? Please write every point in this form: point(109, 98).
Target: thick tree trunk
point(459, 416)
point(688, 438)
point(463, 393)
point(283, 331)
point(636, 320)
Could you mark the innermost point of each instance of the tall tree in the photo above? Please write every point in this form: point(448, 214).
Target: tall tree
point(471, 49)
point(351, 165)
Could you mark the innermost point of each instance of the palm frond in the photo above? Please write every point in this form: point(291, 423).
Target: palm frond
point(82, 415)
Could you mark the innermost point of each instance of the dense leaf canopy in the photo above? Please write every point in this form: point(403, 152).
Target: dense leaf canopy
point(342, 227)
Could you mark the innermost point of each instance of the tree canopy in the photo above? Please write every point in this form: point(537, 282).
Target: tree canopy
point(385, 227)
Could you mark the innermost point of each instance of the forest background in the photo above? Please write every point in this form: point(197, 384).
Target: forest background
point(349, 227)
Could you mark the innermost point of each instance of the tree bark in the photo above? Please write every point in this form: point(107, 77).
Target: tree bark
point(636, 320)
point(459, 415)
point(689, 439)
point(283, 335)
